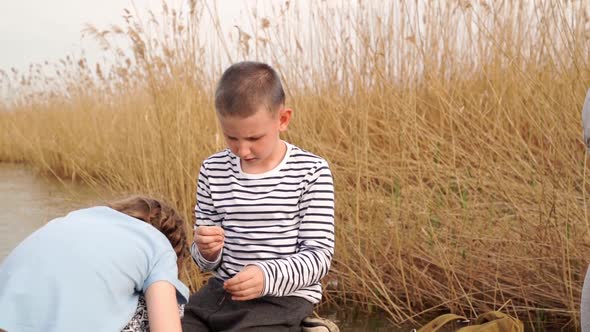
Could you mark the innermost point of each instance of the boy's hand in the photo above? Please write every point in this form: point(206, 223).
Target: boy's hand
point(209, 240)
point(246, 285)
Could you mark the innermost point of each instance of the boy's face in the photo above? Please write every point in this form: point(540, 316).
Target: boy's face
point(255, 139)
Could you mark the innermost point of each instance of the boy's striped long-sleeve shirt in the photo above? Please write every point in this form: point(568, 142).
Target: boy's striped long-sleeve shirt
point(281, 220)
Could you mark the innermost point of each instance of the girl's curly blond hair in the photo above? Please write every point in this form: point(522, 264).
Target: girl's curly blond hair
point(162, 217)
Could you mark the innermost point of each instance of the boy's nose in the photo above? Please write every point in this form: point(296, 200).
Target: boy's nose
point(243, 150)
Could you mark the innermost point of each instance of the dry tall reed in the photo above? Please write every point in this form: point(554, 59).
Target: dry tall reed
point(452, 129)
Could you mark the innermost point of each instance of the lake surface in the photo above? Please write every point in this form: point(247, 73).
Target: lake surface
point(28, 200)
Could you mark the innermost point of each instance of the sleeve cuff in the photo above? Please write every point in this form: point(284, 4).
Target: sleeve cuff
point(182, 291)
point(266, 284)
point(202, 261)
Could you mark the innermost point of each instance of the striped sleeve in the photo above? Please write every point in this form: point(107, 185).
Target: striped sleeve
point(205, 216)
point(315, 241)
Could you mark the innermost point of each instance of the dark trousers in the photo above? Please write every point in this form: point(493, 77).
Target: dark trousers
point(212, 309)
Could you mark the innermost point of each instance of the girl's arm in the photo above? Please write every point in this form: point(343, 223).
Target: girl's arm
point(163, 314)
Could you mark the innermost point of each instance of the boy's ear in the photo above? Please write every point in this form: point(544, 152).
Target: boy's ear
point(284, 118)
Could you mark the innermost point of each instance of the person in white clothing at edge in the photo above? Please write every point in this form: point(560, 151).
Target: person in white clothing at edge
point(585, 301)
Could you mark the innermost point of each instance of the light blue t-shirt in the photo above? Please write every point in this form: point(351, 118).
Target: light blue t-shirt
point(84, 272)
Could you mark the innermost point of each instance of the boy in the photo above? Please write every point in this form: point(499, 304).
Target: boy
point(264, 214)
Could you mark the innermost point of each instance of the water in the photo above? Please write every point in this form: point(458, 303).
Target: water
point(29, 200)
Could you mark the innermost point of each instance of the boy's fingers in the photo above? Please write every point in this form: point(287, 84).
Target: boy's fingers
point(212, 247)
point(241, 287)
point(208, 240)
point(243, 295)
point(209, 230)
point(206, 246)
point(237, 279)
point(248, 294)
point(235, 283)
point(210, 251)
point(208, 235)
point(240, 292)
point(248, 273)
point(232, 282)
point(250, 286)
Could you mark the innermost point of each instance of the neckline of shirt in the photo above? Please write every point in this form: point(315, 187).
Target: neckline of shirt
point(268, 173)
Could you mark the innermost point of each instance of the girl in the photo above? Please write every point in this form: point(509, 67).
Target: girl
point(87, 270)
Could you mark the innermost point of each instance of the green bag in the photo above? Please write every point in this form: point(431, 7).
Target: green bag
point(493, 321)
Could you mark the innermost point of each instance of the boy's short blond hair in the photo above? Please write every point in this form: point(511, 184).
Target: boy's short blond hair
point(246, 87)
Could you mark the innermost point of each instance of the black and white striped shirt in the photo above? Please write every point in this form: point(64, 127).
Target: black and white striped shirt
point(281, 220)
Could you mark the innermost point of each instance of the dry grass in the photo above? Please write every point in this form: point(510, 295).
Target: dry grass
point(453, 133)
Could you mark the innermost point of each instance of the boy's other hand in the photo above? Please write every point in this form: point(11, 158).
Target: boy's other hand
point(209, 240)
point(246, 285)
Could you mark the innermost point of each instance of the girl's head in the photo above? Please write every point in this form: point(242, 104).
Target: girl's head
point(161, 216)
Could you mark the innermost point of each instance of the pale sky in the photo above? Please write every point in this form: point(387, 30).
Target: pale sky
point(33, 31)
